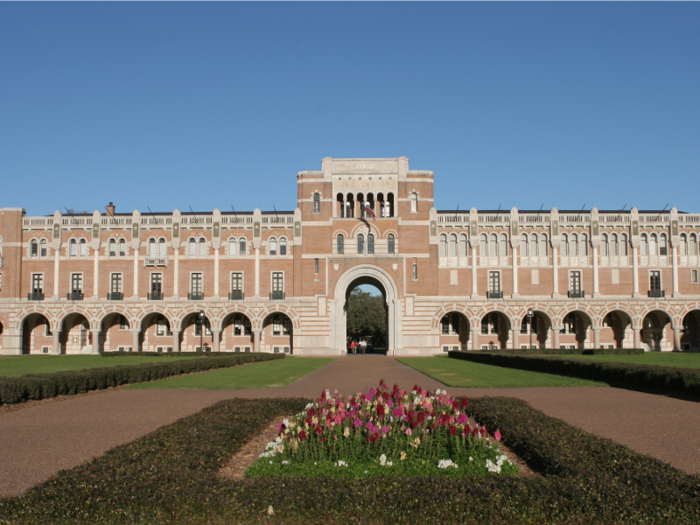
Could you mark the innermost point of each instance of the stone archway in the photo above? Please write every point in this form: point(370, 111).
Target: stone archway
point(365, 274)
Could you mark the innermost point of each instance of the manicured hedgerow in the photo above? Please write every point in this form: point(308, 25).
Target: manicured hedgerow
point(652, 378)
point(170, 476)
point(42, 386)
point(562, 351)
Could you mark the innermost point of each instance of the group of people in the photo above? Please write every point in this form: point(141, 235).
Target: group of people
point(357, 347)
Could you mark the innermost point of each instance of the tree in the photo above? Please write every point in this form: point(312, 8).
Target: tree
point(367, 317)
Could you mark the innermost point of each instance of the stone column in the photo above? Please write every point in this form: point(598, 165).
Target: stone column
point(515, 338)
point(216, 272)
point(636, 340)
point(596, 337)
point(176, 340)
point(635, 273)
point(475, 338)
point(135, 340)
point(674, 248)
point(475, 292)
point(555, 273)
point(96, 276)
point(56, 343)
point(676, 339)
point(555, 338)
point(515, 273)
point(256, 340)
point(596, 293)
point(215, 336)
point(136, 272)
point(256, 246)
point(96, 341)
point(176, 275)
point(56, 273)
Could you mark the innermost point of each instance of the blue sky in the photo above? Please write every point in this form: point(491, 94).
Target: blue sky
point(171, 105)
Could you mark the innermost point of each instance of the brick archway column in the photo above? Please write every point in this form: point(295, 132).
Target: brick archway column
point(135, 340)
point(515, 338)
point(475, 338)
point(215, 337)
point(555, 338)
point(636, 337)
point(56, 343)
point(256, 340)
point(96, 340)
point(176, 340)
point(676, 339)
point(596, 337)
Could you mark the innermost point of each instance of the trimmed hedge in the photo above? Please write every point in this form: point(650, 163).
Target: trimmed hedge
point(164, 354)
point(650, 378)
point(42, 386)
point(169, 476)
point(563, 351)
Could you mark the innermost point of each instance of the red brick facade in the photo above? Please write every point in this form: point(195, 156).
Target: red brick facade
point(278, 281)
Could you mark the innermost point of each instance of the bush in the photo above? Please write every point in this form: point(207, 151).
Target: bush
point(42, 386)
point(562, 351)
point(169, 476)
point(654, 378)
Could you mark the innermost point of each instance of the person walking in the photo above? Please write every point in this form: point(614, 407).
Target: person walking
point(353, 347)
point(363, 346)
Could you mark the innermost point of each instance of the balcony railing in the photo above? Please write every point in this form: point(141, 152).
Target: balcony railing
point(74, 296)
point(657, 293)
point(155, 296)
point(195, 296)
point(236, 295)
point(155, 261)
point(276, 296)
point(115, 296)
point(577, 294)
point(35, 296)
point(494, 295)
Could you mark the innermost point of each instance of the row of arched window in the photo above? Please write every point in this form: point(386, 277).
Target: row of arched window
point(368, 248)
point(38, 249)
point(653, 244)
point(361, 205)
point(574, 244)
point(614, 245)
point(114, 247)
point(688, 244)
point(77, 248)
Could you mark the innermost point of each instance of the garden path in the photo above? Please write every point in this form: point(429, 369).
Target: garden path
point(44, 437)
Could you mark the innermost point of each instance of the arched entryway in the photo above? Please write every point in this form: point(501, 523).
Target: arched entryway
point(196, 334)
point(574, 331)
point(277, 334)
point(236, 333)
point(454, 332)
point(156, 334)
point(115, 333)
point(369, 275)
point(616, 331)
point(37, 337)
point(366, 314)
point(690, 333)
point(75, 337)
point(657, 333)
point(534, 331)
point(495, 331)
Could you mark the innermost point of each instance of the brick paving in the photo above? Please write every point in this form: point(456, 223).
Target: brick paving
point(39, 440)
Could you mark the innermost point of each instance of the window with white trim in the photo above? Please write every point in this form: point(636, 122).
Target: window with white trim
point(191, 247)
point(37, 283)
point(112, 248)
point(463, 245)
point(83, 247)
point(483, 245)
point(242, 247)
point(360, 244)
point(317, 203)
point(564, 245)
point(42, 247)
point(33, 248)
point(202, 246)
point(272, 246)
point(390, 248)
point(283, 246)
point(162, 247)
point(115, 283)
point(453, 245)
point(122, 247)
point(232, 242)
point(643, 245)
point(694, 276)
point(152, 247)
point(237, 281)
point(277, 282)
point(370, 244)
point(414, 202)
point(340, 244)
point(443, 245)
point(72, 248)
point(76, 282)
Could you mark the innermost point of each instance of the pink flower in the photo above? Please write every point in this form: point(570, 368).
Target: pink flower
point(409, 432)
point(385, 429)
point(357, 423)
point(462, 419)
point(497, 435)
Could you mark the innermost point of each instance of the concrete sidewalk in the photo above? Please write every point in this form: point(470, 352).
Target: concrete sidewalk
point(38, 441)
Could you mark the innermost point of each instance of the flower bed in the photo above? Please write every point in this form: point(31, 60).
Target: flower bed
point(384, 432)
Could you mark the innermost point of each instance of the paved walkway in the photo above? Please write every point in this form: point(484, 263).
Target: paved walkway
point(38, 441)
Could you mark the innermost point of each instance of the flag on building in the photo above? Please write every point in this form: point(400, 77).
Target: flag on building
point(370, 212)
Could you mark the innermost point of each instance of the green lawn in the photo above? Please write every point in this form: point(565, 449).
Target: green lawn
point(649, 358)
point(268, 374)
point(15, 366)
point(459, 373)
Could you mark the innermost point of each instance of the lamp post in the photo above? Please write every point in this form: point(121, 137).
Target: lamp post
point(201, 317)
point(530, 315)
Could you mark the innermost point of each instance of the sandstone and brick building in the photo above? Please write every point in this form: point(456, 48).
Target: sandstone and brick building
point(279, 281)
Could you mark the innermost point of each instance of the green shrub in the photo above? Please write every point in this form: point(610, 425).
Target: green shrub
point(42, 386)
point(655, 378)
point(169, 476)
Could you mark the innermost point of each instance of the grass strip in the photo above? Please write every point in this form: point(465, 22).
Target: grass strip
point(681, 382)
point(169, 476)
point(42, 386)
point(270, 374)
point(17, 366)
point(477, 375)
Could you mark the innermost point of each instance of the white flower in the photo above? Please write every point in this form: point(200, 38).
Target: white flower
point(285, 462)
point(341, 463)
point(496, 467)
point(446, 463)
point(383, 462)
